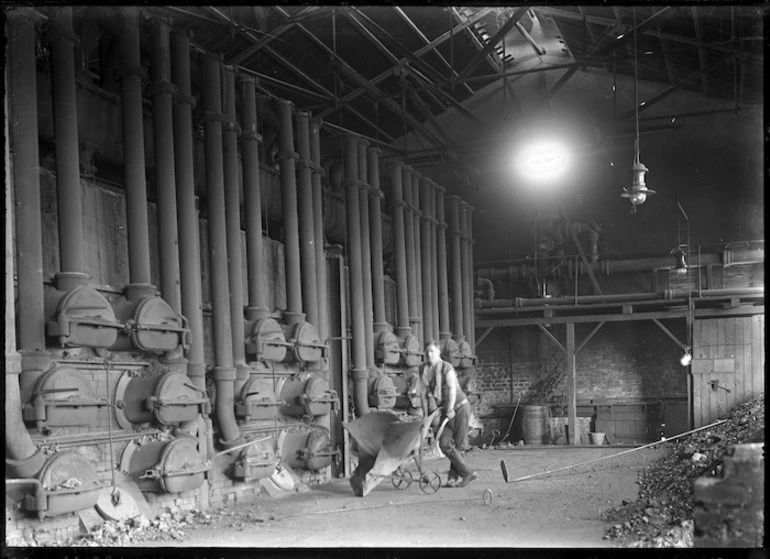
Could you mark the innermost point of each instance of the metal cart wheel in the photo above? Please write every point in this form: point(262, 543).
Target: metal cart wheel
point(401, 479)
point(430, 482)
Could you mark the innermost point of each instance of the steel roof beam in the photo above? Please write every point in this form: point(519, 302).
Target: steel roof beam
point(274, 34)
point(702, 59)
point(366, 85)
point(492, 43)
point(644, 105)
point(419, 52)
point(428, 84)
point(425, 39)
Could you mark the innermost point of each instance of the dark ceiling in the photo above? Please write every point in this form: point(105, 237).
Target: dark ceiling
point(382, 71)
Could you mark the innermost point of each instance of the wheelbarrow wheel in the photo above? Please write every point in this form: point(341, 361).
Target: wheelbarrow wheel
point(430, 482)
point(401, 479)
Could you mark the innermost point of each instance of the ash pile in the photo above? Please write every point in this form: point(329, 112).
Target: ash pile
point(663, 515)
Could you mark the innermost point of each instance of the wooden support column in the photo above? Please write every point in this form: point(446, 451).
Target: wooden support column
point(571, 385)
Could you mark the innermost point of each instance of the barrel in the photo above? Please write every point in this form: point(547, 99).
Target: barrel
point(534, 424)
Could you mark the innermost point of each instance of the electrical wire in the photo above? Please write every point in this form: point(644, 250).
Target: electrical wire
point(636, 90)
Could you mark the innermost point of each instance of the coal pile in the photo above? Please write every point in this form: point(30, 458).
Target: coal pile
point(662, 516)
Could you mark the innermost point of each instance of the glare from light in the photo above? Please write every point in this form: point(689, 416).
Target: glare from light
point(544, 160)
point(686, 358)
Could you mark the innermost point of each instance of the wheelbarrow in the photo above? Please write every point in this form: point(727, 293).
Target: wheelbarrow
point(385, 445)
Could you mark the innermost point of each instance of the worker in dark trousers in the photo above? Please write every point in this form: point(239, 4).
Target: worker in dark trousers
point(441, 390)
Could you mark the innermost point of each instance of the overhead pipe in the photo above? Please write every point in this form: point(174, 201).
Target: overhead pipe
point(224, 371)
point(187, 213)
point(366, 254)
point(161, 91)
point(424, 188)
point(360, 372)
point(287, 162)
point(608, 266)
point(22, 458)
point(70, 197)
point(418, 256)
point(453, 209)
point(402, 329)
point(318, 227)
point(617, 298)
point(375, 221)
point(433, 261)
point(306, 221)
point(22, 99)
point(411, 261)
point(131, 75)
point(233, 226)
point(258, 308)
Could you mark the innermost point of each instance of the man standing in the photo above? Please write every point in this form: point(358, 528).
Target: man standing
point(440, 390)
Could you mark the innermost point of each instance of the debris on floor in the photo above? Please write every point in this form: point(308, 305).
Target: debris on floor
point(662, 516)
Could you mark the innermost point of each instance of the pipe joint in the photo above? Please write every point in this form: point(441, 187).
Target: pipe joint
point(224, 374)
point(317, 169)
point(56, 34)
point(127, 71)
point(306, 164)
point(185, 99)
point(161, 87)
point(281, 155)
point(360, 375)
point(214, 116)
point(232, 126)
point(251, 136)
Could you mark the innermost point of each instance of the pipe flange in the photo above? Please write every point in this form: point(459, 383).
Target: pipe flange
point(183, 98)
point(56, 34)
point(159, 88)
point(124, 71)
point(214, 116)
point(232, 126)
point(251, 135)
point(281, 155)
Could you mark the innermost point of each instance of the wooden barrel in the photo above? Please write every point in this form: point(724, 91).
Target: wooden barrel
point(534, 421)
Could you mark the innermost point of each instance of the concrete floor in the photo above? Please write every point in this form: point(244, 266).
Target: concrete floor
point(556, 510)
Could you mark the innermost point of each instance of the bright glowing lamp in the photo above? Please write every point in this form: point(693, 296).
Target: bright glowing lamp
point(544, 161)
point(686, 358)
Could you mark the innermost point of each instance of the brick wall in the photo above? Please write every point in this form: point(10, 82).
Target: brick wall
point(623, 361)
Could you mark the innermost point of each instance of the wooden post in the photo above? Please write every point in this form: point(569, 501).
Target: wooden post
point(571, 388)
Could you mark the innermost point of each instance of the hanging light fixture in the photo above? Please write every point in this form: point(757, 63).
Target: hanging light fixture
point(638, 192)
point(680, 266)
point(686, 358)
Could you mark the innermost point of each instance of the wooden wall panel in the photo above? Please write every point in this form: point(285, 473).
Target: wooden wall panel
point(728, 365)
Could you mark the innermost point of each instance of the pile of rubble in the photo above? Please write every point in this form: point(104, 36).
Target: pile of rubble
point(663, 514)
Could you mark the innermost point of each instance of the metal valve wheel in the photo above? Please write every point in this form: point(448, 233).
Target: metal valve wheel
point(430, 482)
point(401, 479)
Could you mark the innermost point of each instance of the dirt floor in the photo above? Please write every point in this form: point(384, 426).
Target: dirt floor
point(563, 509)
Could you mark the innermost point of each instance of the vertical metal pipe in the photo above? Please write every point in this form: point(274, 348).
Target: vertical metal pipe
point(22, 97)
point(131, 74)
point(233, 226)
point(470, 330)
point(318, 225)
point(433, 262)
point(165, 177)
point(375, 221)
point(418, 256)
point(21, 106)
point(444, 329)
point(366, 254)
point(359, 371)
point(187, 214)
point(252, 200)
point(306, 221)
point(465, 274)
point(453, 209)
point(399, 248)
point(224, 372)
point(70, 197)
point(410, 256)
point(424, 188)
point(287, 157)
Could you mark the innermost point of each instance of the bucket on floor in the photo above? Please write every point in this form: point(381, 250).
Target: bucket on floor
point(534, 424)
point(597, 438)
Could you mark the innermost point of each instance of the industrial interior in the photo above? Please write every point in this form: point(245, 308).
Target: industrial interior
point(230, 232)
